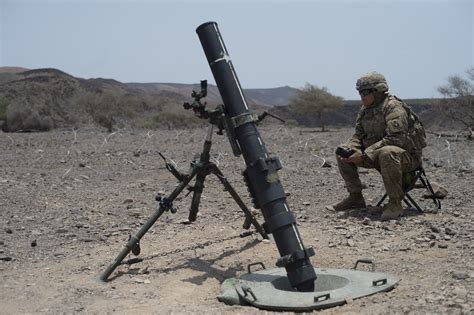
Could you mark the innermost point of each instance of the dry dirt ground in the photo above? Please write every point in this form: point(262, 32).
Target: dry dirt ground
point(70, 198)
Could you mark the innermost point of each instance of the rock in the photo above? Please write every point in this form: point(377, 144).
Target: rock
point(443, 245)
point(435, 229)
point(439, 191)
point(9, 231)
point(128, 200)
point(33, 243)
point(460, 292)
point(366, 221)
point(6, 258)
point(449, 231)
point(326, 164)
point(306, 203)
point(329, 207)
point(350, 243)
point(460, 275)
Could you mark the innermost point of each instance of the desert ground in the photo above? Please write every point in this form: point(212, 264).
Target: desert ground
point(70, 198)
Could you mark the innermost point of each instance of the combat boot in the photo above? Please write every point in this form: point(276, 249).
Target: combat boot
point(354, 201)
point(392, 210)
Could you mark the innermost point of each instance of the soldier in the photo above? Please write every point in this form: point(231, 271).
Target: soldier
point(388, 137)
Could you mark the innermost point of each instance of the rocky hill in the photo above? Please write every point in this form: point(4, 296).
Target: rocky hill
point(43, 99)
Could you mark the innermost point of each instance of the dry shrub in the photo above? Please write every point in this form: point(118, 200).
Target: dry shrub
point(3, 107)
point(21, 116)
point(175, 121)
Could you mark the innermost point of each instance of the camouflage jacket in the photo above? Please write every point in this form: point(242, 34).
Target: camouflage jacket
point(391, 122)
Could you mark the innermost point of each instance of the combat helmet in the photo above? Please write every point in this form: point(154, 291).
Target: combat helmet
point(372, 81)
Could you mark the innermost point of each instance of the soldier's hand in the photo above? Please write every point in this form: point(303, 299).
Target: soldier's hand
point(355, 158)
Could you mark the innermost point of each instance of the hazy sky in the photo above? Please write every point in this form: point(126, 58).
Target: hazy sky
point(416, 44)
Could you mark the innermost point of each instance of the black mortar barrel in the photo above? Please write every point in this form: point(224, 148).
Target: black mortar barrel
point(261, 172)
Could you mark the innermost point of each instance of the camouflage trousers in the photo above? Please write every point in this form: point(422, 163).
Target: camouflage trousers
point(390, 161)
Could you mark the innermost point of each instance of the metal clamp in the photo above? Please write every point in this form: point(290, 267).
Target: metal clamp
point(365, 261)
point(246, 290)
point(249, 267)
point(244, 118)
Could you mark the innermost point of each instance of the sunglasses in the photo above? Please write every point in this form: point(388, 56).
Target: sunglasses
point(365, 92)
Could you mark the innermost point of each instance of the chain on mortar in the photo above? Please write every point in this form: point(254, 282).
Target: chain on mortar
point(193, 247)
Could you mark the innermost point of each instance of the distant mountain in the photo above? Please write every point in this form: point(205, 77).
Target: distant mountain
point(261, 97)
point(12, 69)
point(41, 99)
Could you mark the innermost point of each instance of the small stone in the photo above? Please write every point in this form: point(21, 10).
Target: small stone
point(81, 164)
point(435, 229)
point(460, 275)
point(9, 231)
point(33, 243)
point(326, 164)
point(443, 245)
point(440, 191)
point(128, 200)
point(460, 292)
point(350, 243)
point(306, 203)
point(366, 221)
point(265, 241)
point(449, 231)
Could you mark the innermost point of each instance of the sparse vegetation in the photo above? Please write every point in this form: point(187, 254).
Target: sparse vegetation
point(175, 120)
point(459, 98)
point(3, 107)
point(21, 116)
point(313, 102)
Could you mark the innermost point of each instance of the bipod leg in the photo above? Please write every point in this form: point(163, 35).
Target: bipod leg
point(248, 215)
point(197, 192)
point(165, 205)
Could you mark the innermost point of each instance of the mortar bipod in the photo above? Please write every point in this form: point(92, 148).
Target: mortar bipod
point(199, 169)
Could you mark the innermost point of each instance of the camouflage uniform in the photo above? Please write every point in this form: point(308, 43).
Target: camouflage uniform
point(390, 137)
point(382, 131)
